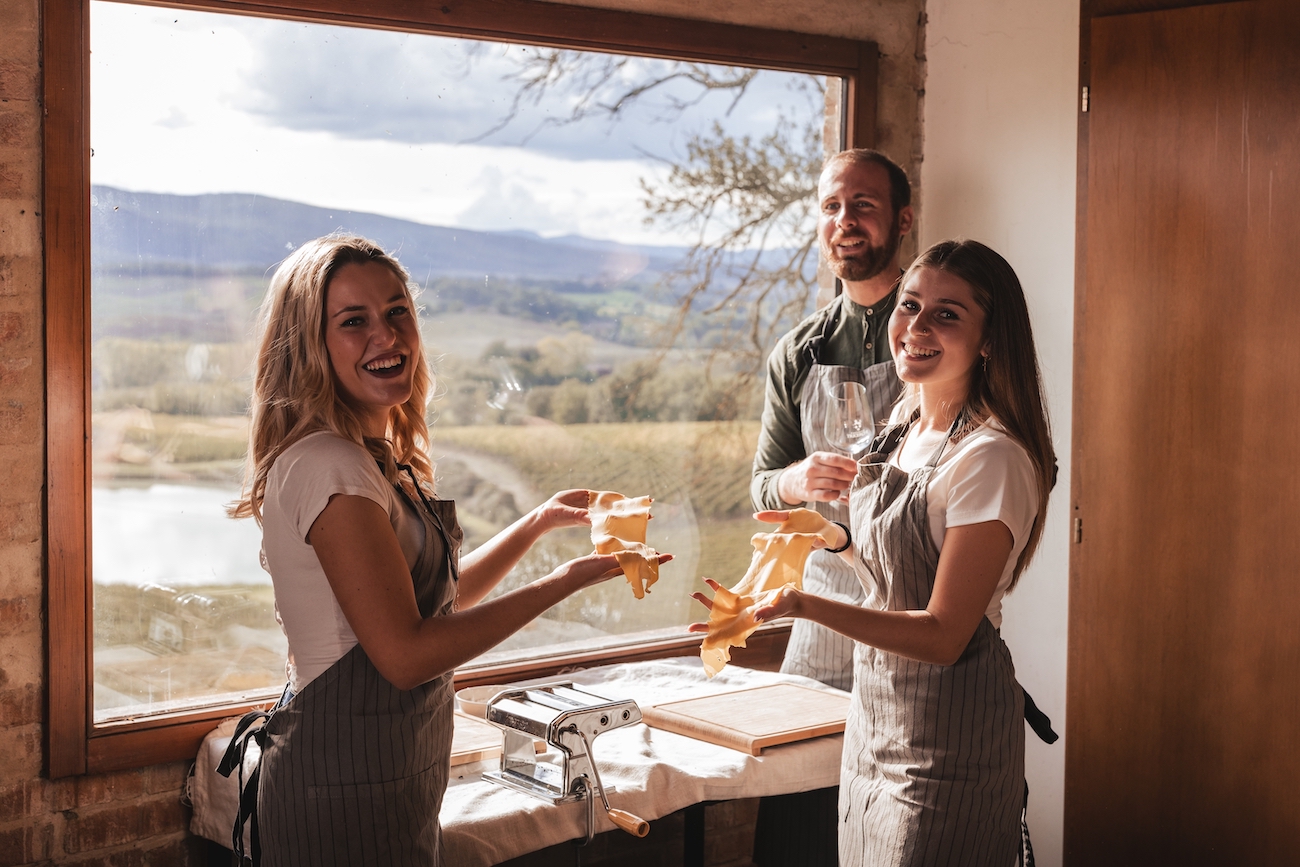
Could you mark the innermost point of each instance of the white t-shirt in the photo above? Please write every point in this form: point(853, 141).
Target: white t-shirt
point(986, 477)
point(298, 488)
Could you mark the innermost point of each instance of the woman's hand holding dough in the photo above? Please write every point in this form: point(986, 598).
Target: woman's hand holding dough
point(781, 602)
point(819, 478)
point(593, 569)
point(564, 509)
point(827, 527)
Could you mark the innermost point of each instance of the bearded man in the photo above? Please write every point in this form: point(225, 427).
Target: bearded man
point(864, 211)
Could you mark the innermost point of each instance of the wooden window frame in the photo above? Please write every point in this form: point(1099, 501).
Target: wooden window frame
point(75, 744)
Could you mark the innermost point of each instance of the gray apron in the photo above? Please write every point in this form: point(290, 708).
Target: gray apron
point(933, 769)
point(814, 650)
point(353, 769)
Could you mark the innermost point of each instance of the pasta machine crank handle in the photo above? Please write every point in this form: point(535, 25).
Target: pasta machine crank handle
point(634, 825)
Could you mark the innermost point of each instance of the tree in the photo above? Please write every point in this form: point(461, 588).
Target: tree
point(750, 272)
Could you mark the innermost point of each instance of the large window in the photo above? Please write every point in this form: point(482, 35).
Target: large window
point(597, 295)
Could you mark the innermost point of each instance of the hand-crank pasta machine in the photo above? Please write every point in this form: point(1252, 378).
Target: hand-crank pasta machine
point(568, 719)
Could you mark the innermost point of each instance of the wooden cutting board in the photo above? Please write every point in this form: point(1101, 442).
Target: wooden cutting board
point(751, 719)
point(473, 740)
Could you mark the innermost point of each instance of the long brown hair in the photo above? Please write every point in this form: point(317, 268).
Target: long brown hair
point(294, 391)
point(1007, 386)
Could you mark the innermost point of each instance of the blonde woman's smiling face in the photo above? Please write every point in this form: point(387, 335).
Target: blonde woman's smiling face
point(936, 332)
point(373, 340)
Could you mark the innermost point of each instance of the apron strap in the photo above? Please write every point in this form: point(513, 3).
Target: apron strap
point(1025, 857)
point(234, 758)
point(1038, 721)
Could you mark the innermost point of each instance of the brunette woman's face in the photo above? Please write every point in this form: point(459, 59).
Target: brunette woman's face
point(372, 339)
point(936, 332)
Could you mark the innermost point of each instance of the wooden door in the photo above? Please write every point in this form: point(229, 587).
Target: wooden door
point(1183, 739)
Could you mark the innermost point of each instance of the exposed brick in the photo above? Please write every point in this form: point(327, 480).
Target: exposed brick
point(60, 795)
point(12, 325)
point(20, 801)
point(20, 752)
point(120, 823)
point(20, 564)
point(21, 706)
point(27, 844)
point(13, 371)
point(18, 127)
point(17, 612)
point(22, 661)
point(169, 778)
point(11, 181)
point(20, 228)
point(21, 476)
point(17, 80)
point(19, 275)
point(102, 788)
point(19, 15)
point(131, 857)
point(19, 522)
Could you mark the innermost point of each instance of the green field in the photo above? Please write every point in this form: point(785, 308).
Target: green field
point(218, 639)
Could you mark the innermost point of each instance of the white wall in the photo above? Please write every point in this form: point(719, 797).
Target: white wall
point(1000, 119)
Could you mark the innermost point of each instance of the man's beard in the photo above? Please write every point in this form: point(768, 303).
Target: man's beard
point(870, 262)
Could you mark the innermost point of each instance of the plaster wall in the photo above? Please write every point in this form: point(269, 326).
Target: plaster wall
point(1000, 120)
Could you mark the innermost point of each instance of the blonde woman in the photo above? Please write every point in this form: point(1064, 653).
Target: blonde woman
point(945, 513)
point(377, 605)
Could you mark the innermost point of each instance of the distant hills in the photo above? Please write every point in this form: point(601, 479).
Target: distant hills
point(148, 232)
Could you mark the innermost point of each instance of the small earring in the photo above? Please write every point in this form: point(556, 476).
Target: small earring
point(986, 364)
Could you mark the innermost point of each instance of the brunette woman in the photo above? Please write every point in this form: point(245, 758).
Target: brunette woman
point(946, 511)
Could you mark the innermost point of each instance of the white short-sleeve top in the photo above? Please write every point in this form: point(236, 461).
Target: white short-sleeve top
point(987, 476)
point(298, 487)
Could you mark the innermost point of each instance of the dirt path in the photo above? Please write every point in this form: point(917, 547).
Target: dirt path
point(496, 471)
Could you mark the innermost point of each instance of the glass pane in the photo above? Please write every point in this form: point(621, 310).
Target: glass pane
point(607, 247)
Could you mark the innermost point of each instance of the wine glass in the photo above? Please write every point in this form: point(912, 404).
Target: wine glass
point(849, 424)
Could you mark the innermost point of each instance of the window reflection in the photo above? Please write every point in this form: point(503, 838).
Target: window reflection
point(551, 306)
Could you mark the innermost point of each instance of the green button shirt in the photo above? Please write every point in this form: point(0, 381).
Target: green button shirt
point(860, 339)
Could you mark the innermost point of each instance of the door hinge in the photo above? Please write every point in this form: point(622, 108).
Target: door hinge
point(1078, 530)
point(1083, 99)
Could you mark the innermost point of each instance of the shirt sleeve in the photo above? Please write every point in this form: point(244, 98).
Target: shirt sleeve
point(780, 440)
point(994, 481)
point(322, 468)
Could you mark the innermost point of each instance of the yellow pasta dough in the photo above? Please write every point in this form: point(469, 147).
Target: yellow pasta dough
point(618, 526)
point(777, 562)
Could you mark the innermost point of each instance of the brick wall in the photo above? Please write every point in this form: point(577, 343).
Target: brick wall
point(136, 818)
point(123, 819)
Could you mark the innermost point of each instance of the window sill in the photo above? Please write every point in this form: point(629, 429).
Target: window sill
point(126, 744)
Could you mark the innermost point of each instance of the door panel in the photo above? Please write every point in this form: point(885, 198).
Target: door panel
point(1183, 741)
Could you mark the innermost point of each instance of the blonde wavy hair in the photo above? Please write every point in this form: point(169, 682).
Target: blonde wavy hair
point(294, 390)
point(1007, 386)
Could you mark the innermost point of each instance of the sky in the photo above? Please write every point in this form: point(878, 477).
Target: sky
point(396, 124)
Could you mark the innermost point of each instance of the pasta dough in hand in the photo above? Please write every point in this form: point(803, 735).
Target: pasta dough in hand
point(618, 525)
point(777, 562)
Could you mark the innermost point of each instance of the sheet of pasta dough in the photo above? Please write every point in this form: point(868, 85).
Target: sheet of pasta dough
point(777, 562)
point(618, 526)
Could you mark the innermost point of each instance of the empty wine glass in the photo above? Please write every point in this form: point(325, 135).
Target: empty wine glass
point(849, 425)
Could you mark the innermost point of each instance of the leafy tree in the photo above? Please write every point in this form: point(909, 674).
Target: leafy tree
point(748, 203)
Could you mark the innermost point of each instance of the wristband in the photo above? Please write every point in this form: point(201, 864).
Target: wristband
point(848, 539)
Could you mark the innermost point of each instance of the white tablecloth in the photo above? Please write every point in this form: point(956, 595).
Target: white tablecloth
point(653, 772)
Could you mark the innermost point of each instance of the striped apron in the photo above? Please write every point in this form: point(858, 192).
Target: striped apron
point(933, 769)
point(353, 770)
point(814, 650)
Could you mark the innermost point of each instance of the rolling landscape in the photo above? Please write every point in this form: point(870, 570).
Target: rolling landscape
point(551, 373)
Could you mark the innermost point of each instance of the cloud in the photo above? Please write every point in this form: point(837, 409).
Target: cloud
point(418, 89)
point(509, 205)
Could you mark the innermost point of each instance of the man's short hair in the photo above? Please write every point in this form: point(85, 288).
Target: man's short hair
point(900, 188)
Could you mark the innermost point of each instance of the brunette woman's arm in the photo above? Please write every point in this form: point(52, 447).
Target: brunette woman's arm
point(970, 565)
